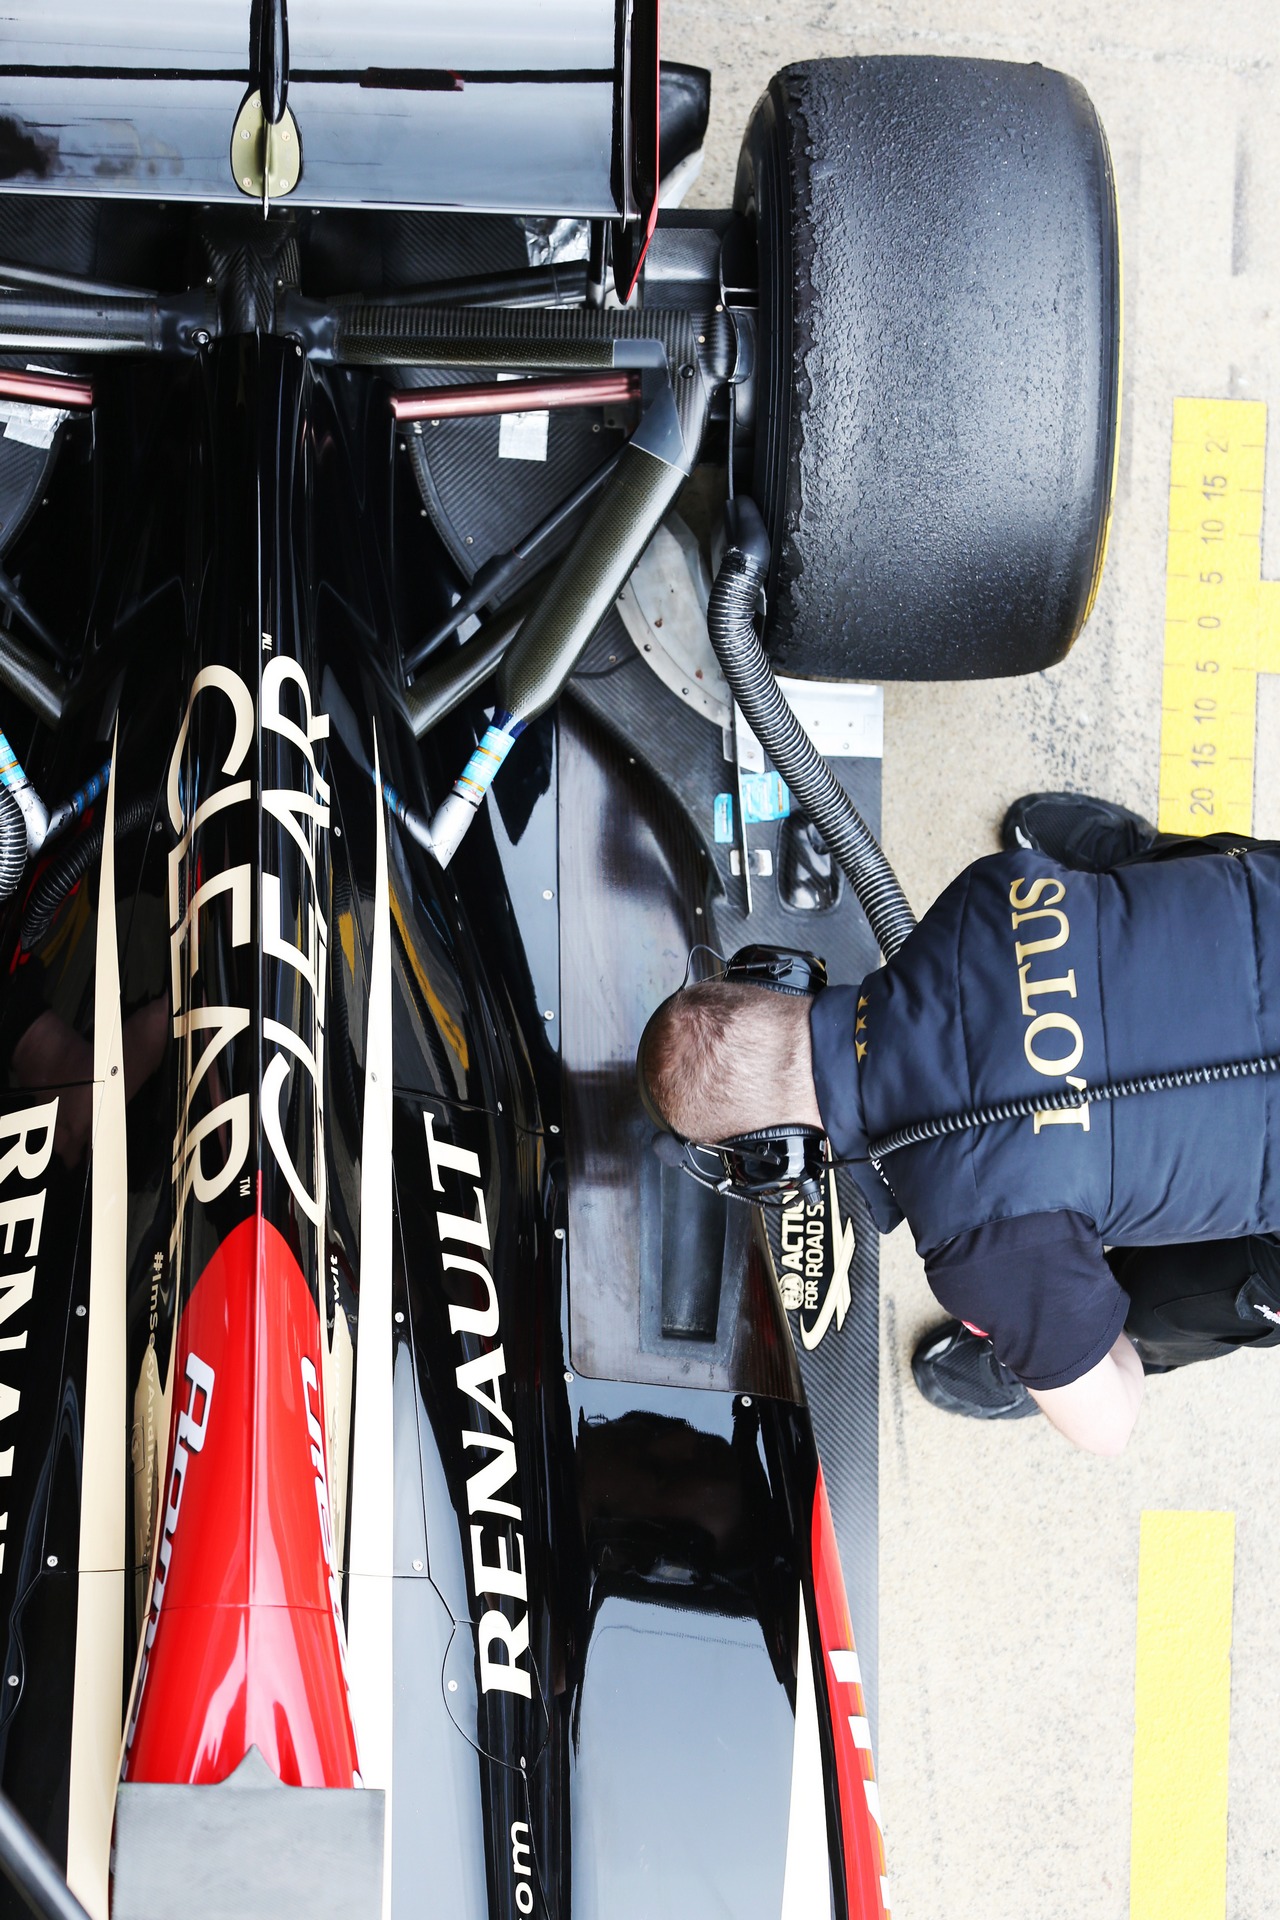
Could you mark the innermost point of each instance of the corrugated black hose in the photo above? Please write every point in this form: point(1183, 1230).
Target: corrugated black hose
point(731, 622)
point(54, 885)
point(13, 843)
point(1065, 1098)
point(732, 625)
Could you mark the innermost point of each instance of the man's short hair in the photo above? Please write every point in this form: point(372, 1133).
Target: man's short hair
point(713, 1057)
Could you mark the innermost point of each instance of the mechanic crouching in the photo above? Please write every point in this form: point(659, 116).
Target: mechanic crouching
point(1080, 1247)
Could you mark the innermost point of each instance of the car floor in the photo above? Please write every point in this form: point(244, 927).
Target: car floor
point(1009, 1590)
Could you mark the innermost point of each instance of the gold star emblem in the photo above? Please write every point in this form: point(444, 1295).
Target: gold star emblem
point(863, 1002)
point(861, 1046)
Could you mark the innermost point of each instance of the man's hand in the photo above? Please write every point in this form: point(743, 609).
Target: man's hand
point(1097, 1411)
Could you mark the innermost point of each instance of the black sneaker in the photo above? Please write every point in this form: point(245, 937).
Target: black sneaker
point(958, 1371)
point(1076, 829)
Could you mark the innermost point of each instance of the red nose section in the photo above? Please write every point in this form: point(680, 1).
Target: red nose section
point(244, 1643)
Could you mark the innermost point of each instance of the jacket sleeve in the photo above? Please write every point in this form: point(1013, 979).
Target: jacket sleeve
point(1040, 1286)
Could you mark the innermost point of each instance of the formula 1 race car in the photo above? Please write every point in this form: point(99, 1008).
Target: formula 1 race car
point(419, 1495)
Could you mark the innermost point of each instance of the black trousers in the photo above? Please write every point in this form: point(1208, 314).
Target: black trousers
point(1197, 1300)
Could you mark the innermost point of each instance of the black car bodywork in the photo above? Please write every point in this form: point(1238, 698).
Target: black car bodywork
point(237, 524)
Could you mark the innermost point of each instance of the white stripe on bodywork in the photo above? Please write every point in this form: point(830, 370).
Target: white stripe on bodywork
point(96, 1719)
point(806, 1886)
point(371, 1564)
point(844, 1665)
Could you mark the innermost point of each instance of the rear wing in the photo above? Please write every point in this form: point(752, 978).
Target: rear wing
point(491, 108)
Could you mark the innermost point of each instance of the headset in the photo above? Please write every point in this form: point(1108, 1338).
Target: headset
point(768, 1163)
point(777, 1163)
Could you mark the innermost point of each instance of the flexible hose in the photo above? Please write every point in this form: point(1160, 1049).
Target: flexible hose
point(59, 880)
point(13, 843)
point(917, 1131)
point(731, 624)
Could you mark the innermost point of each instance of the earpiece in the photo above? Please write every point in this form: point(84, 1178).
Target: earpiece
point(778, 969)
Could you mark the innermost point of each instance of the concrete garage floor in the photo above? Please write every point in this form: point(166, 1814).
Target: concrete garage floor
point(1009, 1564)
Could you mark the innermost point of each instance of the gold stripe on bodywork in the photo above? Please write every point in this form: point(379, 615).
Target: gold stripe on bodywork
point(450, 1031)
point(96, 1718)
point(371, 1563)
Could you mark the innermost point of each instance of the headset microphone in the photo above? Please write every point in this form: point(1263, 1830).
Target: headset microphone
point(668, 1149)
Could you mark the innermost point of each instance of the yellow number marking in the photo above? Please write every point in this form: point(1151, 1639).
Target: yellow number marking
point(1222, 619)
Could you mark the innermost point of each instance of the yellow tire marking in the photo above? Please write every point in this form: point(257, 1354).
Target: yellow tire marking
point(1222, 619)
point(1182, 1702)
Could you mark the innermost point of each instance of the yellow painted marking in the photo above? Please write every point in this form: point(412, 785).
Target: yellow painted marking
point(1222, 619)
point(1182, 1707)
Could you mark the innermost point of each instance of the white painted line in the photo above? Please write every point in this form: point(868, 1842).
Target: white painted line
point(806, 1885)
point(372, 1563)
point(844, 1665)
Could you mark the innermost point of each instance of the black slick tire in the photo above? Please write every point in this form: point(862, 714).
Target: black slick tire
point(938, 389)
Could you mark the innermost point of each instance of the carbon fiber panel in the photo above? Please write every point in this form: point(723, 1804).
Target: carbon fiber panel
point(683, 754)
point(482, 502)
